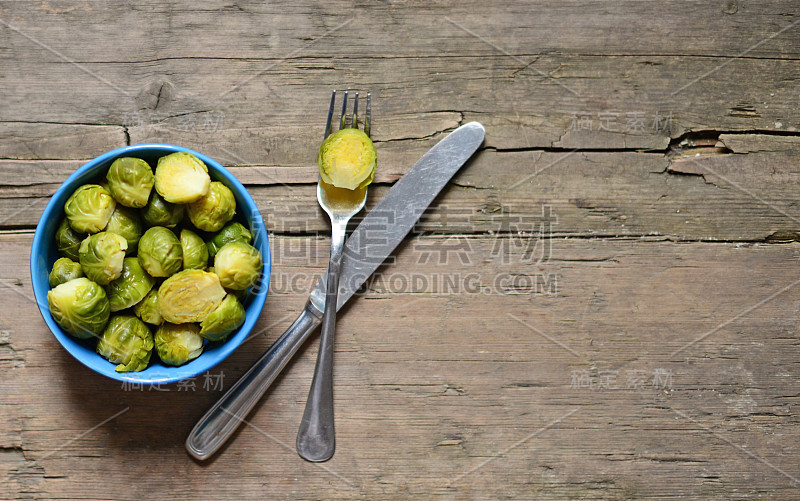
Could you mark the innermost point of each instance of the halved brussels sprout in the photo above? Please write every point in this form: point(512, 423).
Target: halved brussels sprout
point(130, 181)
point(226, 318)
point(189, 296)
point(181, 178)
point(195, 252)
point(68, 241)
point(126, 223)
point(230, 233)
point(177, 344)
point(211, 211)
point(147, 308)
point(160, 252)
point(80, 307)
point(128, 342)
point(238, 265)
point(64, 270)
point(89, 208)
point(101, 256)
point(159, 212)
point(131, 287)
point(347, 159)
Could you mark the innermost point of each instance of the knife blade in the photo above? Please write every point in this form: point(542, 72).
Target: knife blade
point(368, 246)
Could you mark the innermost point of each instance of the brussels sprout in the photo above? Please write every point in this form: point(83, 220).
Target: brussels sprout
point(64, 270)
point(147, 308)
point(238, 265)
point(211, 211)
point(177, 344)
point(181, 178)
point(226, 318)
point(195, 252)
point(128, 342)
point(160, 252)
point(130, 181)
point(347, 159)
point(131, 287)
point(68, 241)
point(89, 208)
point(159, 212)
point(80, 307)
point(231, 232)
point(127, 223)
point(189, 296)
point(101, 256)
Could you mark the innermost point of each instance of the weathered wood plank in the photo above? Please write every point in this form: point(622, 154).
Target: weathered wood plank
point(528, 86)
point(246, 30)
point(732, 197)
point(430, 385)
point(38, 141)
point(749, 143)
point(522, 110)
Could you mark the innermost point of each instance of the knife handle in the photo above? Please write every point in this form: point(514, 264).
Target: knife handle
point(221, 420)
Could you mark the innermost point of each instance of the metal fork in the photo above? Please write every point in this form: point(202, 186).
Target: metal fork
point(316, 439)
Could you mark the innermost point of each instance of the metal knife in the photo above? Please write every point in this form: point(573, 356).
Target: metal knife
point(368, 246)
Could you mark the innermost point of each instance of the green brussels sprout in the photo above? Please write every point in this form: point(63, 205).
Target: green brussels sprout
point(181, 178)
point(159, 212)
point(189, 296)
point(64, 270)
point(226, 318)
point(230, 233)
point(101, 256)
point(131, 287)
point(211, 211)
point(195, 252)
point(238, 265)
point(147, 308)
point(177, 344)
point(130, 181)
point(127, 223)
point(80, 307)
point(128, 342)
point(68, 241)
point(89, 208)
point(347, 159)
point(160, 252)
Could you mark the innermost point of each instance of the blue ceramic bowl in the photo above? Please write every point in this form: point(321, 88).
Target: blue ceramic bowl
point(44, 254)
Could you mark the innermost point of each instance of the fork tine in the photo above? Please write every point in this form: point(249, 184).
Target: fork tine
point(343, 121)
point(330, 114)
point(368, 117)
point(355, 112)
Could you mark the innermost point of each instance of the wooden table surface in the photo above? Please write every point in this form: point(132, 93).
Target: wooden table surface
point(603, 304)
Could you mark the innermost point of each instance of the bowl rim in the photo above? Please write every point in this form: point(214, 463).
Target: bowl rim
point(191, 369)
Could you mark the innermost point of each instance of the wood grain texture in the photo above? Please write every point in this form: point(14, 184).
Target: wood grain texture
point(603, 304)
point(430, 384)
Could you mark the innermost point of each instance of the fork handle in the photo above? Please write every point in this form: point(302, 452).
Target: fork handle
point(221, 420)
point(316, 438)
